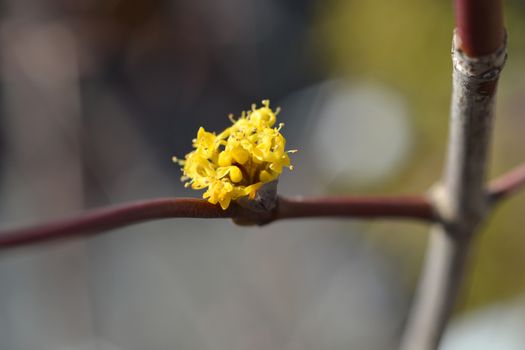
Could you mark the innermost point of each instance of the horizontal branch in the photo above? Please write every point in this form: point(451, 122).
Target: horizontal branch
point(369, 207)
point(412, 207)
point(104, 219)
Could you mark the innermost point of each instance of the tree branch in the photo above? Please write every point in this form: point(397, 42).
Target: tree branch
point(479, 52)
point(480, 26)
point(408, 207)
point(508, 184)
point(104, 219)
point(100, 220)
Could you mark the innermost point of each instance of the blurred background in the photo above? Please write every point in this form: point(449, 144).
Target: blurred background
point(97, 96)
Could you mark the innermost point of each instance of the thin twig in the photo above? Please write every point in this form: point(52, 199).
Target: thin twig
point(104, 219)
point(101, 220)
point(408, 207)
point(507, 184)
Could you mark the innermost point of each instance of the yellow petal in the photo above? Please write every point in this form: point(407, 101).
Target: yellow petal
point(240, 155)
point(265, 176)
point(286, 160)
point(235, 174)
point(277, 167)
point(222, 172)
point(251, 190)
point(225, 158)
point(225, 203)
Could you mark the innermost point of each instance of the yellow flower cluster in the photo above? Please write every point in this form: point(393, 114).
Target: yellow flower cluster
point(238, 161)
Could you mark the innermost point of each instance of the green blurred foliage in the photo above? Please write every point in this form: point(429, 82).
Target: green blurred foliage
point(406, 44)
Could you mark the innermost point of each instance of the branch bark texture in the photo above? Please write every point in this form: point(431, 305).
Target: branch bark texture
point(101, 220)
point(508, 184)
point(480, 26)
point(366, 207)
point(460, 199)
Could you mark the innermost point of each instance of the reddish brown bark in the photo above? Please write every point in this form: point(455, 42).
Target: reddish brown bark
point(479, 25)
point(104, 219)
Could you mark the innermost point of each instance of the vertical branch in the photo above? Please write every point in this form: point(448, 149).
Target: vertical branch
point(479, 25)
point(478, 55)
